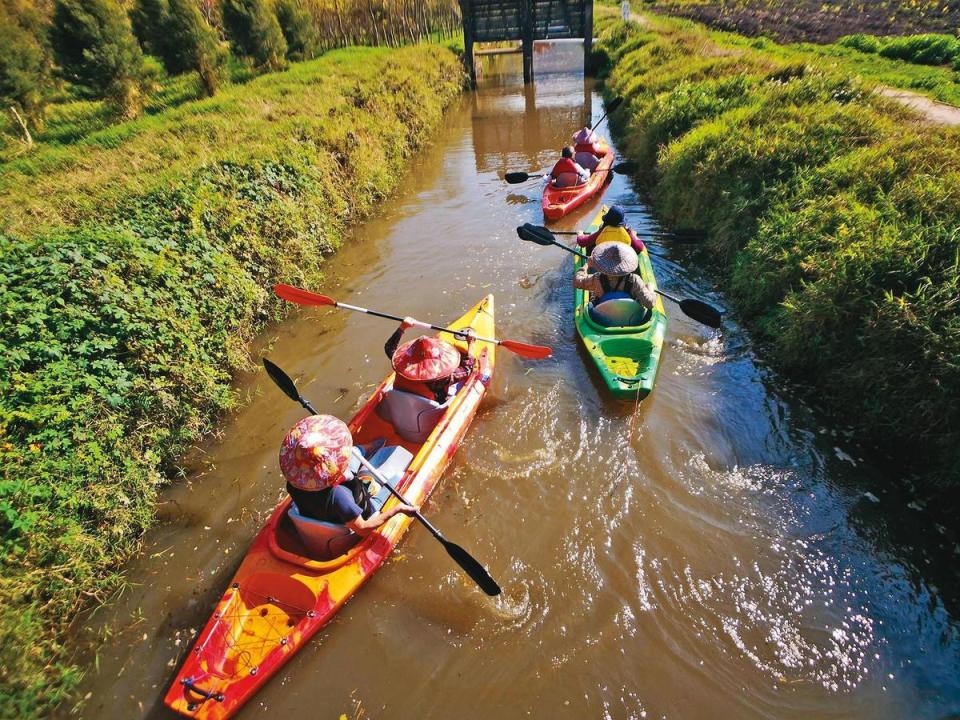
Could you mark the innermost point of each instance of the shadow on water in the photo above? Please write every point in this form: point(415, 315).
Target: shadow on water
point(715, 556)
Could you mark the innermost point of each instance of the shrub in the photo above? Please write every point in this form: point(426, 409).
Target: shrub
point(930, 49)
point(148, 19)
point(299, 29)
point(194, 44)
point(96, 50)
point(864, 43)
point(25, 77)
point(255, 32)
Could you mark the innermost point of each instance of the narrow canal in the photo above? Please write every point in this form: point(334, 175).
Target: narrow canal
point(720, 555)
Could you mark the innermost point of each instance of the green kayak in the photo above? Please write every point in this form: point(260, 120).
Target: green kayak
point(626, 356)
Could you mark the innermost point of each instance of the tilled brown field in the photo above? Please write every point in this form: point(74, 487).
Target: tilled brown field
point(815, 21)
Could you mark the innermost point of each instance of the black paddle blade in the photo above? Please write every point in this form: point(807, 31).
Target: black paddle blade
point(701, 312)
point(614, 104)
point(537, 234)
point(282, 380)
point(627, 167)
point(471, 567)
point(516, 177)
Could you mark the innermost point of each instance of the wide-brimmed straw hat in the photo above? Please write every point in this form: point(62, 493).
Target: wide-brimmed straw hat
point(615, 258)
point(426, 359)
point(315, 453)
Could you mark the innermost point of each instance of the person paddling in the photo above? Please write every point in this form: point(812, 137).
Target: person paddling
point(428, 366)
point(566, 173)
point(615, 279)
point(315, 461)
point(586, 149)
point(613, 229)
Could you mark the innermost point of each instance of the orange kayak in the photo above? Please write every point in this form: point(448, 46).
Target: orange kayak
point(281, 595)
point(557, 202)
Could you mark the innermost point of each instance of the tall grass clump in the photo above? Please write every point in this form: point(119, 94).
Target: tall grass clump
point(129, 288)
point(926, 49)
point(837, 215)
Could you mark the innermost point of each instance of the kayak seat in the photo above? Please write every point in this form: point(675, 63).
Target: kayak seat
point(618, 309)
point(568, 180)
point(326, 540)
point(586, 160)
point(413, 416)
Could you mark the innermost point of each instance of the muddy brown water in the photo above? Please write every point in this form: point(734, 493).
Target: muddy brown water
point(717, 556)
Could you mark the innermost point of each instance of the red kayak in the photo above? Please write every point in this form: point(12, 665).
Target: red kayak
point(557, 202)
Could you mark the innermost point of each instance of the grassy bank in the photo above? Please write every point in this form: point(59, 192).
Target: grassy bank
point(834, 212)
point(134, 266)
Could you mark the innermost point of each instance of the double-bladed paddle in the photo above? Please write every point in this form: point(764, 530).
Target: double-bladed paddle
point(695, 309)
point(464, 559)
point(623, 168)
point(306, 297)
point(679, 235)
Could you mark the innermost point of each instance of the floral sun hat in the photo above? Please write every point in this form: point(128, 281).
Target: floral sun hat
point(316, 453)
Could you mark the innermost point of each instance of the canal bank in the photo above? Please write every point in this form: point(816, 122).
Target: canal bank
point(135, 264)
point(719, 557)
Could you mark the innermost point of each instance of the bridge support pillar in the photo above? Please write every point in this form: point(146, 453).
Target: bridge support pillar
point(466, 12)
point(527, 60)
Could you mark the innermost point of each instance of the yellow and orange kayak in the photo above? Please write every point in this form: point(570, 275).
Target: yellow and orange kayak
point(280, 596)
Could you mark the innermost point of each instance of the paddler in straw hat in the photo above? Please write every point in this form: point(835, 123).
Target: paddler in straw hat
point(428, 366)
point(315, 460)
point(616, 275)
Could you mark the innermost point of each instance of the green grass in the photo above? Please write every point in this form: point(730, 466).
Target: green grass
point(834, 212)
point(135, 262)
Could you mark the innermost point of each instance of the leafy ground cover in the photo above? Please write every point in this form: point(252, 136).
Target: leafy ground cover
point(134, 265)
point(835, 215)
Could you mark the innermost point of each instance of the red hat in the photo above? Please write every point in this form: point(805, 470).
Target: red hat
point(316, 453)
point(426, 359)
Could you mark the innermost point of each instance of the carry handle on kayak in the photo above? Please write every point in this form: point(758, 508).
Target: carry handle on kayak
point(205, 694)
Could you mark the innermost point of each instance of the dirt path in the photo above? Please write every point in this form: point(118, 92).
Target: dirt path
point(936, 112)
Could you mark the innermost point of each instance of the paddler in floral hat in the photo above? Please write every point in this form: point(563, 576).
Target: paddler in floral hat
point(428, 366)
point(315, 460)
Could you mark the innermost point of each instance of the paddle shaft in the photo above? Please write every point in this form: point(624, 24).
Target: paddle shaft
point(417, 323)
point(613, 105)
point(380, 479)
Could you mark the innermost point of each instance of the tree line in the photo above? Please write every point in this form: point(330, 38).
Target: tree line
point(98, 47)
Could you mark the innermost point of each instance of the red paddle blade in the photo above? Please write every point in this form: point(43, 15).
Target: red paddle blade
point(301, 296)
point(535, 352)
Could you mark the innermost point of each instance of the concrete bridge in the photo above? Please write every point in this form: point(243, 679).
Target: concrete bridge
point(526, 21)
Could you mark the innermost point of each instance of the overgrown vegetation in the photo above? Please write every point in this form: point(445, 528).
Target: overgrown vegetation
point(134, 268)
point(837, 214)
point(927, 49)
point(93, 49)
